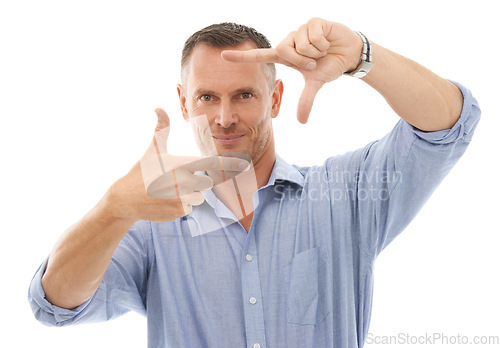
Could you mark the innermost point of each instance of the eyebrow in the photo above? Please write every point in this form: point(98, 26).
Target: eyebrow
point(202, 91)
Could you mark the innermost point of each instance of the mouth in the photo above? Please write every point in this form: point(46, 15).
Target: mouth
point(228, 139)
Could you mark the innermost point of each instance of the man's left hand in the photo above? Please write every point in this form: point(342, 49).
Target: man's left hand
point(320, 50)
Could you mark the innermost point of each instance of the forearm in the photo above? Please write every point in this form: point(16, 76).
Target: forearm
point(80, 258)
point(416, 94)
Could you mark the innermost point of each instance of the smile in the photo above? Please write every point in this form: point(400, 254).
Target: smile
point(227, 139)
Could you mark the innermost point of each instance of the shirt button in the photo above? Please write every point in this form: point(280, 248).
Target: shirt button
point(253, 300)
point(249, 257)
point(256, 345)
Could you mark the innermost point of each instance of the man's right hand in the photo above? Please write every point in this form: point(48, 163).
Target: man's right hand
point(162, 187)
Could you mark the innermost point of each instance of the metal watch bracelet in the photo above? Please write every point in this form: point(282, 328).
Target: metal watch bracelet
point(365, 62)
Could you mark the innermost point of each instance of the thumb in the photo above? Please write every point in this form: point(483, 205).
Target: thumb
point(162, 129)
point(306, 100)
point(163, 120)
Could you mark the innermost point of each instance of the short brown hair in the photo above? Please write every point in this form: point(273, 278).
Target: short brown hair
point(222, 35)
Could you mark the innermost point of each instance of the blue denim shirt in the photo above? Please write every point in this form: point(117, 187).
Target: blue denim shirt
point(301, 277)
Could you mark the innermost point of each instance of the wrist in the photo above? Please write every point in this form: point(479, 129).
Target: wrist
point(366, 60)
point(356, 57)
point(110, 209)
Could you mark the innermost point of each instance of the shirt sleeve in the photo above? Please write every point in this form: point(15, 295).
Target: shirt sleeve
point(122, 289)
point(389, 180)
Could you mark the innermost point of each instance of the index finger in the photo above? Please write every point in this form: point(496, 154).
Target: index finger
point(258, 55)
point(233, 164)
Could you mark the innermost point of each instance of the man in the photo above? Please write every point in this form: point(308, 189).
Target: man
point(282, 256)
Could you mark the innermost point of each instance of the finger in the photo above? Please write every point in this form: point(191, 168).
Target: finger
point(161, 131)
point(316, 35)
point(177, 183)
point(259, 55)
point(201, 182)
point(183, 182)
point(186, 209)
point(218, 163)
point(306, 100)
point(165, 186)
point(286, 50)
point(195, 198)
point(303, 44)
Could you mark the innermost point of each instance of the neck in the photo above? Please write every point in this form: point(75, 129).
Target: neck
point(264, 165)
point(245, 184)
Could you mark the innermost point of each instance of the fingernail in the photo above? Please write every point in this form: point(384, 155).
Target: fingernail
point(325, 53)
point(310, 65)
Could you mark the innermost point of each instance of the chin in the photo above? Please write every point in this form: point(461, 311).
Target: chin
point(234, 153)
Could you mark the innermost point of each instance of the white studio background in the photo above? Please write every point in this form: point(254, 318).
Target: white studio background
point(79, 81)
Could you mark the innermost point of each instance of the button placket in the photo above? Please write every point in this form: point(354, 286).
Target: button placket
point(251, 291)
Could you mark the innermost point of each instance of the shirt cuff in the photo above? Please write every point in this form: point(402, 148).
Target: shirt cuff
point(45, 311)
point(462, 129)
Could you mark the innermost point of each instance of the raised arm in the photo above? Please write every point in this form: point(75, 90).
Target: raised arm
point(420, 97)
point(160, 187)
point(322, 51)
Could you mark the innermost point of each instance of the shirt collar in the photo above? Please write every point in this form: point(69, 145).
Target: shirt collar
point(282, 171)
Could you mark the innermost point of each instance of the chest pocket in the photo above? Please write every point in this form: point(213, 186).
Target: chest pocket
point(308, 287)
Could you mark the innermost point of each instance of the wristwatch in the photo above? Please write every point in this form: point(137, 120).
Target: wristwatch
point(365, 62)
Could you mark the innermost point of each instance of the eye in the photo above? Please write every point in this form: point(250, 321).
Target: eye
point(206, 97)
point(246, 95)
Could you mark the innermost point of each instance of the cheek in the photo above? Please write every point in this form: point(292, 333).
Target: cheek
point(194, 109)
point(256, 115)
point(202, 116)
point(202, 136)
point(200, 125)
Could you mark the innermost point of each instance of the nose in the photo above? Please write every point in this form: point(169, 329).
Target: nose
point(226, 115)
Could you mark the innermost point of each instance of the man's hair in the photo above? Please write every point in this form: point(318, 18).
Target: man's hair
point(224, 35)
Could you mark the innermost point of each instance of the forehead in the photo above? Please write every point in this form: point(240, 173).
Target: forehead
point(207, 70)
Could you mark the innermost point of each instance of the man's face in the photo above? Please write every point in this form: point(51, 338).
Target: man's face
point(230, 105)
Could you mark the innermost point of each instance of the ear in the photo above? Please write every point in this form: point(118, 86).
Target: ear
point(277, 95)
point(182, 99)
